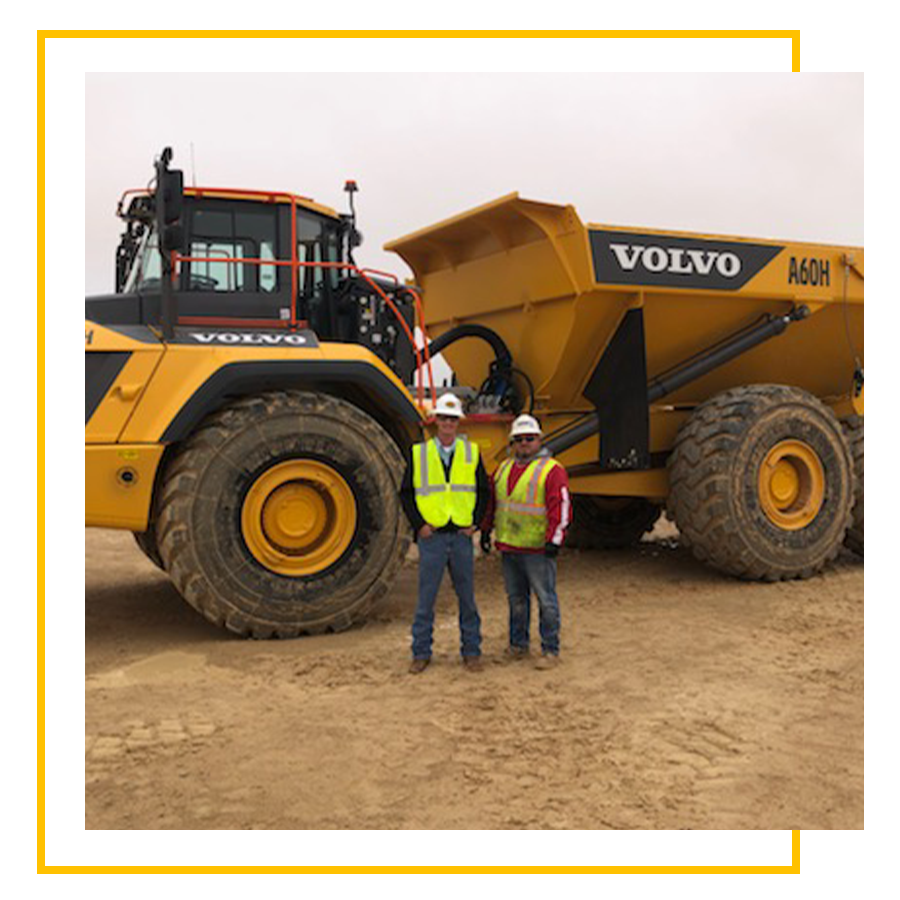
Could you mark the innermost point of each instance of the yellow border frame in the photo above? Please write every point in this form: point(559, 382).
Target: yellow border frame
point(792, 869)
point(42, 36)
point(41, 460)
point(42, 868)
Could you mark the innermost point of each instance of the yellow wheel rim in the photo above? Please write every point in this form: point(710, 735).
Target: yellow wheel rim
point(791, 485)
point(298, 517)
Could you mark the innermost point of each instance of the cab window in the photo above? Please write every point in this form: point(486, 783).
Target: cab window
point(221, 242)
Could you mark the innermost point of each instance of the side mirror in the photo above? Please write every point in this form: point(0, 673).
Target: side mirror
point(171, 188)
point(173, 237)
point(169, 200)
point(354, 237)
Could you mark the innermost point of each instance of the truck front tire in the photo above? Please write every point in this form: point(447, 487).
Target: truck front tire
point(280, 516)
point(853, 430)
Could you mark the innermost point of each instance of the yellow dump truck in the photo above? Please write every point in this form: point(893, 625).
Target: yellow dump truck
point(718, 377)
point(250, 391)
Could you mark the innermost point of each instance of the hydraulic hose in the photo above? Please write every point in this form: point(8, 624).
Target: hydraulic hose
point(501, 351)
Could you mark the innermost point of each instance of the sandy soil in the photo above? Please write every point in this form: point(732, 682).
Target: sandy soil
point(684, 700)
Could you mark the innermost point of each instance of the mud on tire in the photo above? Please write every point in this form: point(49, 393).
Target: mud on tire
point(146, 540)
point(199, 523)
point(714, 477)
point(606, 523)
point(853, 431)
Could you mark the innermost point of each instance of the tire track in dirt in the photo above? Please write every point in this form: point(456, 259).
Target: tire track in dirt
point(684, 700)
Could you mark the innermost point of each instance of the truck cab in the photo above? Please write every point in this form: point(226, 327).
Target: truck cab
point(256, 260)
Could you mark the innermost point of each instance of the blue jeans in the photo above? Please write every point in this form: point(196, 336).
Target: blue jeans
point(444, 550)
point(522, 574)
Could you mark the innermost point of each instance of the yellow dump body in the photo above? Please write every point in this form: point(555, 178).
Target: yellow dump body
point(556, 290)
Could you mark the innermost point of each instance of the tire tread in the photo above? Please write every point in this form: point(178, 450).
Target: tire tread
point(699, 480)
point(184, 474)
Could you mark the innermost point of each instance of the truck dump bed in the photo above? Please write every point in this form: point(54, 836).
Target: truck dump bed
point(556, 290)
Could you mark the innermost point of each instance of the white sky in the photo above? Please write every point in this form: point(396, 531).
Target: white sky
point(767, 154)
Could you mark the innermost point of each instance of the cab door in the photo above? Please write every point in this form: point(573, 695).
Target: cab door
point(216, 289)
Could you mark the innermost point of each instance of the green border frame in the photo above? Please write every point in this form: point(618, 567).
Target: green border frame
point(65, 846)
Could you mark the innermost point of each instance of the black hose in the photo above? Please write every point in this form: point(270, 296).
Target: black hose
point(501, 351)
point(530, 384)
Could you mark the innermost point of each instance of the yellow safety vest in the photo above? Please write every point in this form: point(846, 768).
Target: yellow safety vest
point(521, 516)
point(441, 502)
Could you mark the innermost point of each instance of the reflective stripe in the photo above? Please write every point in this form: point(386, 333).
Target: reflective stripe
point(427, 487)
point(423, 465)
point(563, 518)
point(440, 488)
point(468, 447)
point(535, 478)
point(523, 508)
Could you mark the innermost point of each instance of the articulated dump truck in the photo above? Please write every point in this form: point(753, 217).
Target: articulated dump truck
point(251, 392)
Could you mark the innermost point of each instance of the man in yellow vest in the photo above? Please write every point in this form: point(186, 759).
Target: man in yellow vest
point(530, 510)
point(445, 493)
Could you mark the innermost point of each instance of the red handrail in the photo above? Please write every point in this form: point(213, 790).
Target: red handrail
point(417, 299)
point(271, 196)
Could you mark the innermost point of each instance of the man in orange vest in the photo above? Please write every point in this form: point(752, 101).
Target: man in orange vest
point(444, 493)
point(530, 511)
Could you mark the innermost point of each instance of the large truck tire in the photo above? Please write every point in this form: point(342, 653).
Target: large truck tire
point(280, 516)
point(146, 540)
point(761, 483)
point(610, 523)
point(853, 431)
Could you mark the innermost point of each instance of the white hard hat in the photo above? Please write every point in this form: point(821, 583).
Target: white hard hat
point(525, 424)
point(448, 405)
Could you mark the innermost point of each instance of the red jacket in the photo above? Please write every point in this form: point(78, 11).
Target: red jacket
point(557, 500)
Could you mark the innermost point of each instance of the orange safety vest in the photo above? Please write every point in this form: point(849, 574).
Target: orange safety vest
point(521, 516)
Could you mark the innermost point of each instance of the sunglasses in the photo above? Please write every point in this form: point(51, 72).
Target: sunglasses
point(446, 418)
point(525, 439)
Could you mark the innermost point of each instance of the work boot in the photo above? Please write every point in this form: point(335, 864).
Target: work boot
point(547, 661)
point(514, 652)
point(418, 665)
point(472, 663)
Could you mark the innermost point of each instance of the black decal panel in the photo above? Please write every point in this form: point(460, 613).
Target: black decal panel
point(654, 260)
point(232, 337)
point(100, 371)
point(618, 389)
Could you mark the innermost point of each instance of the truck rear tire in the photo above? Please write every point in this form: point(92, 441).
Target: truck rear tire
point(761, 483)
point(146, 540)
point(853, 431)
point(609, 523)
point(280, 516)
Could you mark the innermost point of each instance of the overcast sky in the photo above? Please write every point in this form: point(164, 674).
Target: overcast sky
point(761, 155)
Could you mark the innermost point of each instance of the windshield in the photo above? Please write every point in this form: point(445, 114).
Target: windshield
point(145, 270)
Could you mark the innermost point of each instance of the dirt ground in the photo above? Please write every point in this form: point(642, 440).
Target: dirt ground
point(683, 700)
